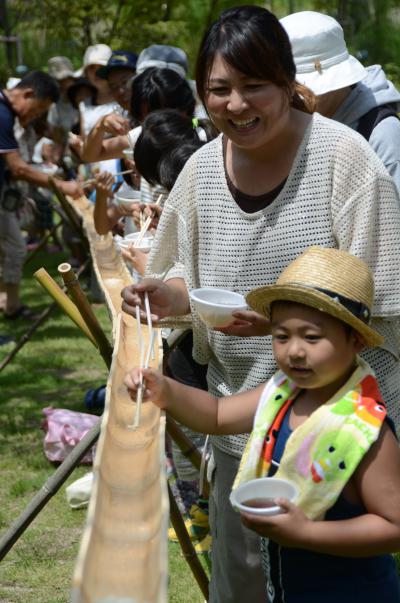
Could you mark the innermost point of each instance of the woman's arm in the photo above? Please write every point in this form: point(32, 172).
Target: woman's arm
point(376, 532)
point(196, 408)
point(96, 148)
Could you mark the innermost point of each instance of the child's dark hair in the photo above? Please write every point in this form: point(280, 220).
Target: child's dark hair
point(42, 84)
point(160, 89)
point(166, 142)
point(252, 40)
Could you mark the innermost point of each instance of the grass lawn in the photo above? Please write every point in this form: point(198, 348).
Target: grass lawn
point(55, 368)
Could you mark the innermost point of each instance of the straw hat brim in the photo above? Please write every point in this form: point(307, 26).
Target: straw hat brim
point(261, 298)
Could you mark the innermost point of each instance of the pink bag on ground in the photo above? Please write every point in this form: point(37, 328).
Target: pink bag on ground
point(65, 428)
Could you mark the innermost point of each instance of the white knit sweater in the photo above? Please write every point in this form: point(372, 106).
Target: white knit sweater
point(338, 194)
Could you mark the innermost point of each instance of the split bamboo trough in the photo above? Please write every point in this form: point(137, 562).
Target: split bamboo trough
point(123, 552)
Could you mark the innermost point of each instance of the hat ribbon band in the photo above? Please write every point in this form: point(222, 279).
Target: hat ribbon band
point(309, 66)
point(358, 309)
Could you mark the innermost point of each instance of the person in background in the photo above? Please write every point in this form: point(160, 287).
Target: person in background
point(95, 57)
point(118, 72)
point(30, 98)
point(62, 115)
point(361, 98)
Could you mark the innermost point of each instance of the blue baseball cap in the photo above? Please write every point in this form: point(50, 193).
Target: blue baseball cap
point(120, 59)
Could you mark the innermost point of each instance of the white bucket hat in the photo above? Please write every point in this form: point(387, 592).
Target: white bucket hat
point(322, 60)
point(98, 54)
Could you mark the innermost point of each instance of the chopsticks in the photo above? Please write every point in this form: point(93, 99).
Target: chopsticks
point(93, 180)
point(152, 333)
point(147, 223)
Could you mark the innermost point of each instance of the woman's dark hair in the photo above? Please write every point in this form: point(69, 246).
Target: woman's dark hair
point(168, 139)
point(160, 89)
point(251, 40)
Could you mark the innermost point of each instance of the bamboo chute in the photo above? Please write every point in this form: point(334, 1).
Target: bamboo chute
point(123, 553)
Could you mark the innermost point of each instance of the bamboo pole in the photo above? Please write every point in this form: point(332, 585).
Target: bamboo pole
point(187, 447)
point(35, 325)
point(42, 243)
point(79, 298)
point(26, 336)
point(44, 278)
point(48, 490)
point(70, 213)
point(186, 545)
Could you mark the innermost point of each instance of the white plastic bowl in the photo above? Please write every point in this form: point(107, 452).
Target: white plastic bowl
point(264, 488)
point(126, 242)
point(128, 153)
point(126, 198)
point(215, 306)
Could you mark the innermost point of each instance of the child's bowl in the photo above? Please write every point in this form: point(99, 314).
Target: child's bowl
point(215, 306)
point(257, 495)
point(130, 239)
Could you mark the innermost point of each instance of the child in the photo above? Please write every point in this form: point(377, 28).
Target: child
point(321, 421)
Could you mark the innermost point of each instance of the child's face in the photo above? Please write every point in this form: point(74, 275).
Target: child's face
point(312, 348)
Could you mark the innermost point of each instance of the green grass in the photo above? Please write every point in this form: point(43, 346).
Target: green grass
point(55, 369)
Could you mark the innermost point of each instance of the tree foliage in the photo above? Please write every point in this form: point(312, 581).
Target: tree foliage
point(51, 27)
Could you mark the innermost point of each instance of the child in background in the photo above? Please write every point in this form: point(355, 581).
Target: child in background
point(167, 140)
point(320, 420)
point(107, 214)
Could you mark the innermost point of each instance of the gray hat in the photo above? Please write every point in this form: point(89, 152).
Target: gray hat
point(60, 68)
point(163, 57)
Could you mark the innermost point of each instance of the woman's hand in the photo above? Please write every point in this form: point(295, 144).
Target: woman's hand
point(247, 324)
point(155, 385)
point(161, 299)
point(288, 529)
point(137, 258)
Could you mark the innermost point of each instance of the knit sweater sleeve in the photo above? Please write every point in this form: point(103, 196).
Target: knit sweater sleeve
point(167, 256)
point(366, 221)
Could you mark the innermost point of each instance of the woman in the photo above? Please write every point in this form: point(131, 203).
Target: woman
point(278, 180)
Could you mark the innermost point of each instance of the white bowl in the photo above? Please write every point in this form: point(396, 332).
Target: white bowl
point(127, 198)
point(126, 242)
point(262, 493)
point(128, 153)
point(215, 306)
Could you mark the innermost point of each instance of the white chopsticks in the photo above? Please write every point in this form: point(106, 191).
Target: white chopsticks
point(152, 334)
point(146, 225)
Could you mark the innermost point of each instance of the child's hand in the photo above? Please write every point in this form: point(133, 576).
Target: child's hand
point(247, 324)
point(154, 385)
point(288, 529)
point(141, 211)
point(104, 182)
point(137, 258)
point(151, 209)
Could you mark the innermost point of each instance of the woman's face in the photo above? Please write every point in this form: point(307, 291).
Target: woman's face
point(249, 111)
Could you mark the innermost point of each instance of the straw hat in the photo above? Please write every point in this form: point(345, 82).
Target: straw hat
point(322, 60)
point(329, 280)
